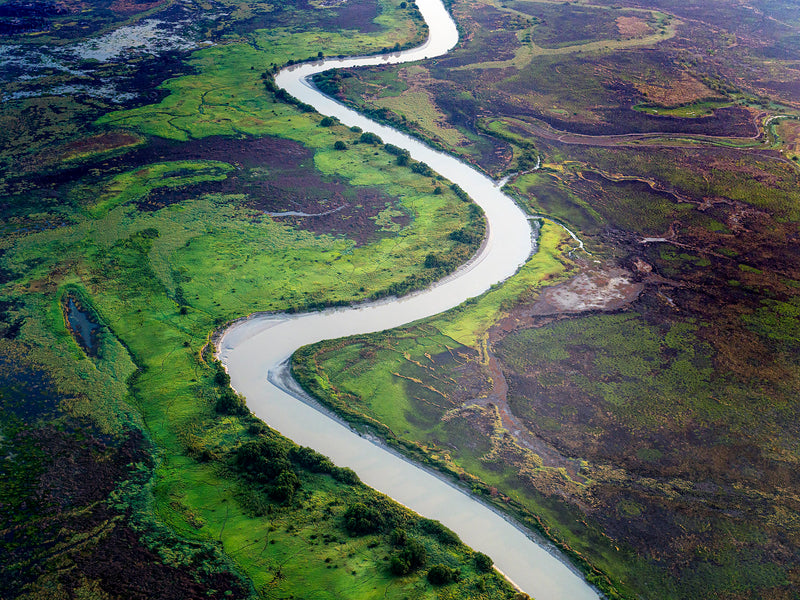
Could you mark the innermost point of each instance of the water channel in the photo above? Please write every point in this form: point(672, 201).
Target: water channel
point(256, 350)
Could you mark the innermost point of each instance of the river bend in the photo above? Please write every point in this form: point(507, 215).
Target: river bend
point(256, 350)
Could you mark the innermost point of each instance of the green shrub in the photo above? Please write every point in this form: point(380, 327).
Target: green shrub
point(369, 138)
point(262, 459)
point(360, 519)
point(411, 556)
point(229, 403)
point(442, 533)
point(442, 575)
point(483, 563)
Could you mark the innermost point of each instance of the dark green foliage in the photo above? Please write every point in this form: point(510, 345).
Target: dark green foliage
point(439, 531)
point(318, 463)
point(257, 428)
point(284, 486)
point(458, 191)
point(229, 403)
point(369, 138)
point(327, 122)
point(262, 459)
point(442, 575)
point(180, 298)
point(310, 459)
point(463, 236)
point(403, 156)
point(410, 557)
point(398, 566)
point(422, 169)
point(483, 562)
point(398, 536)
point(221, 377)
point(395, 150)
point(431, 261)
point(339, 145)
point(360, 519)
point(266, 461)
point(527, 161)
point(345, 475)
point(282, 95)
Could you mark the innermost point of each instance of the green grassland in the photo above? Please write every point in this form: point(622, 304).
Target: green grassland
point(160, 254)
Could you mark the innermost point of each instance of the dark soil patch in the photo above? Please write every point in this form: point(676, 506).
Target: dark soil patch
point(81, 469)
point(103, 142)
point(291, 185)
point(567, 24)
point(489, 35)
point(725, 122)
point(27, 393)
point(350, 14)
point(127, 569)
point(128, 7)
point(62, 528)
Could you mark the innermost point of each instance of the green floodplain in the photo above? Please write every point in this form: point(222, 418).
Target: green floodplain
point(635, 402)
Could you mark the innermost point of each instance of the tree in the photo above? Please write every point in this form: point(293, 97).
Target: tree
point(370, 138)
point(411, 556)
point(483, 563)
point(339, 145)
point(284, 486)
point(361, 519)
point(442, 533)
point(442, 575)
point(229, 403)
point(431, 261)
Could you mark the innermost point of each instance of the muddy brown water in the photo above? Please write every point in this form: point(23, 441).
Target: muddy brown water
point(256, 350)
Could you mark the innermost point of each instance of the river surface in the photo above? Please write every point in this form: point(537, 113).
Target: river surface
point(256, 350)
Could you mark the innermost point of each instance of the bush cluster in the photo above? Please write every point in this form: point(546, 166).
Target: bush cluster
point(409, 556)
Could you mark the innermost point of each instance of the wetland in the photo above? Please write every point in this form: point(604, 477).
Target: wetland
point(631, 399)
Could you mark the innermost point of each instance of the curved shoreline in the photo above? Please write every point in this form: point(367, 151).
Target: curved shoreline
point(255, 350)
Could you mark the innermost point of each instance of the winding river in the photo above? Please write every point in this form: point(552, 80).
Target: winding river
point(256, 350)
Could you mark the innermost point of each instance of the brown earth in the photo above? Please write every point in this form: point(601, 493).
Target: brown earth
point(129, 7)
point(633, 27)
point(683, 89)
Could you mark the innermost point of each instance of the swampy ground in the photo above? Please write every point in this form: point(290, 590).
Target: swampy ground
point(155, 186)
point(641, 409)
